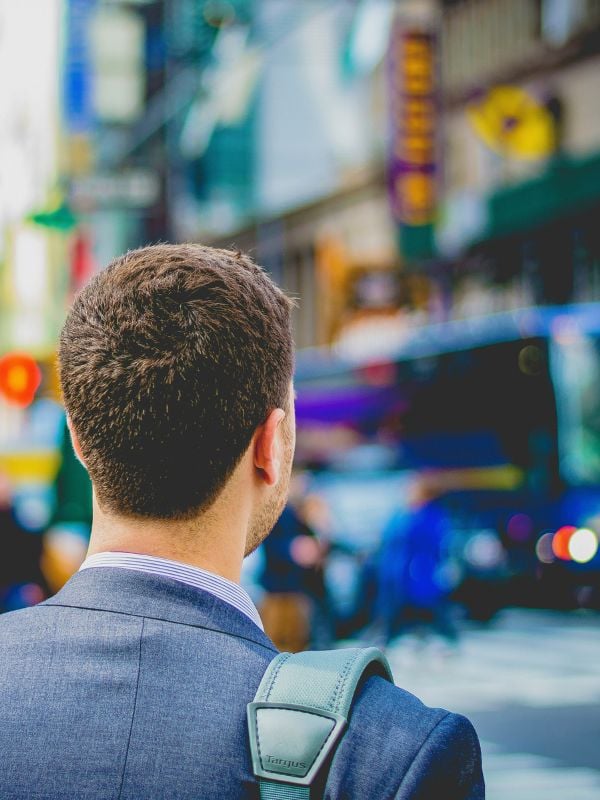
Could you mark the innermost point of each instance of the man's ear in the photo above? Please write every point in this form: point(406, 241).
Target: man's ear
point(75, 442)
point(267, 449)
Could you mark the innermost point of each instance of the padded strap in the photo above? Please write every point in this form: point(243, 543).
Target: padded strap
point(300, 711)
point(325, 679)
point(269, 790)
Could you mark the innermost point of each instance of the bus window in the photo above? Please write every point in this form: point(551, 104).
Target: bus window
point(576, 370)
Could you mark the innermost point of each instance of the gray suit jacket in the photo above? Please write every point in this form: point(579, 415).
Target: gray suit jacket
point(126, 685)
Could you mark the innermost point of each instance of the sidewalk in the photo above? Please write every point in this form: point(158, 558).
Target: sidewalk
point(530, 683)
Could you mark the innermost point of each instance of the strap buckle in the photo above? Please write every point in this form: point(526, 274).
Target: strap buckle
point(296, 760)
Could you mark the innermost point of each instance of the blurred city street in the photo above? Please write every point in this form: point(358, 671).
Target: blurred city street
point(530, 684)
point(421, 178)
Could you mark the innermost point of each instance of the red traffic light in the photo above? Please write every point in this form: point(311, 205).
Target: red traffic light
point(20, 377)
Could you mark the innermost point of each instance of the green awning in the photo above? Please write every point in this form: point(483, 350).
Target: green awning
point(566, 187)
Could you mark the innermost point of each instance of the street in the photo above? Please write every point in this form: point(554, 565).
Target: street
point(530, 683)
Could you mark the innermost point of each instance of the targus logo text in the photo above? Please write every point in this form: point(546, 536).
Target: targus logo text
point(283, 762)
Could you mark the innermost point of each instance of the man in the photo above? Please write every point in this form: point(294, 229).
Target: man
point(132, 682)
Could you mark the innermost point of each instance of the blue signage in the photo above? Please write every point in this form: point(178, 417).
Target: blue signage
point(78, 67)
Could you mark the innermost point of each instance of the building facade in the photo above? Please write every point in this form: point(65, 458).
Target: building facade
point(517, 143)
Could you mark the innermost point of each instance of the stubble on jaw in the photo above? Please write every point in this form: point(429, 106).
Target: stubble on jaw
point(264, 520)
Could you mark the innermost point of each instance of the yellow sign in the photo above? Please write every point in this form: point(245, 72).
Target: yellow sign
point(512, 123)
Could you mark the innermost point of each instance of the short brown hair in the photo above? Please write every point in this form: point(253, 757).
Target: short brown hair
point(169, 360)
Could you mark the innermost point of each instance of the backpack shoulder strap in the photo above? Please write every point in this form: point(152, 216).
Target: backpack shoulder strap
point(299, 713)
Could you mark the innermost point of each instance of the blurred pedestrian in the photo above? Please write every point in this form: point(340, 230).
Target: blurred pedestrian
point(285, 606)
point(21, 581)
point(413, 585)
point(293, 580)
point(316, 517)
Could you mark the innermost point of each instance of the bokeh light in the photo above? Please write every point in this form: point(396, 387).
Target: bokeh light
point(543, 548)
point(560, 542)
point(519, 527)
point(583, 545)
point(484, 550)
point(531, 360)
point(20, 377)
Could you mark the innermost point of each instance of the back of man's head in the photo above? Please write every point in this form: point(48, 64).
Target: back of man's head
point(169, 361)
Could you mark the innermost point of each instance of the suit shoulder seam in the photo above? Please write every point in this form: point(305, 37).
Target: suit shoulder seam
point(135, 697)
point(161, 619)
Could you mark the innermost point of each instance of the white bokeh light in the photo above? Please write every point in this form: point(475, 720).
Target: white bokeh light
point(583, 545)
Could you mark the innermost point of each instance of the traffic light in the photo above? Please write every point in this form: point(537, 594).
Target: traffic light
point(20, 377)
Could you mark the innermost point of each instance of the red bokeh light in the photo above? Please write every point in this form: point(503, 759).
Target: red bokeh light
point(20, 377)
point(560, 542)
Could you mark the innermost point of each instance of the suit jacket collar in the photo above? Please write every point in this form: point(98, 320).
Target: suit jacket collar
point(140, 594)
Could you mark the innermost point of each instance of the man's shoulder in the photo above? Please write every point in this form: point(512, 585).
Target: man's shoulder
point(381, 706)
point(396, 745)
point(19, 620)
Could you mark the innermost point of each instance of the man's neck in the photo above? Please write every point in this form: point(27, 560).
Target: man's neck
point(206, 541)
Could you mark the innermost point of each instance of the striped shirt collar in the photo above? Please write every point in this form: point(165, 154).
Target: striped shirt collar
point(216, 585)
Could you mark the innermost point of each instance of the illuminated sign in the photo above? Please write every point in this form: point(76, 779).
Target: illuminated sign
point(413, 146)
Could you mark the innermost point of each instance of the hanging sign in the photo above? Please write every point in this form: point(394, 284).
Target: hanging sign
point(413, 168)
